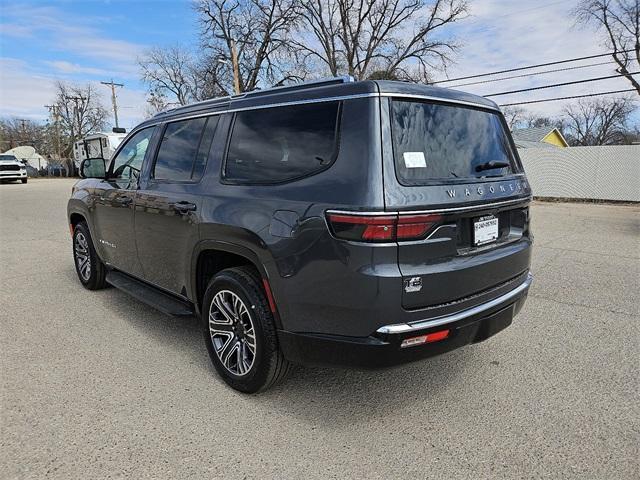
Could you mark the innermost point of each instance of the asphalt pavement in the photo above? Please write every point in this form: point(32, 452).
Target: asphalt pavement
point(98, 385)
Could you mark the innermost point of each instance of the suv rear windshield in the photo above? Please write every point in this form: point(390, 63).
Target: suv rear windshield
point(434, 142)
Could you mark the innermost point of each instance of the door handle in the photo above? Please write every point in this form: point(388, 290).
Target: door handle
point(123, 201)
point(184, 207)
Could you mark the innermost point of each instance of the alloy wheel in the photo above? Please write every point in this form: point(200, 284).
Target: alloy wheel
point(232, 332)
point(83, 260)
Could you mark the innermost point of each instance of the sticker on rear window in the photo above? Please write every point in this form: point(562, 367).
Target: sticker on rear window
point(414, 160)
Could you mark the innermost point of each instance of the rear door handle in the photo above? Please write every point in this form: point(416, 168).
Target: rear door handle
point(124, 201)
point(184, 207)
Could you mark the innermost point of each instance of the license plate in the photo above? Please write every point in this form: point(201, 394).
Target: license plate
point(485, 230)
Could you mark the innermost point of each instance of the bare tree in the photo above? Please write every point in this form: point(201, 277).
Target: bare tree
point(15, 132)
point(81, 112)
point(259, 32)
point(386, 38)
point(620, 20)
point(598, 121)
point(176, 76)
point(515, 116)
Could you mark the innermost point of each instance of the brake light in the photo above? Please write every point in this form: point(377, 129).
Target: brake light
point(416, 226)
point(382, 228)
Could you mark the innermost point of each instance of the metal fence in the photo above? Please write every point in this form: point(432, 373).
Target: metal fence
point(596, 173)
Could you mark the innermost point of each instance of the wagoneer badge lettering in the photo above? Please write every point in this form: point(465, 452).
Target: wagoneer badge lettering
point(512, 187)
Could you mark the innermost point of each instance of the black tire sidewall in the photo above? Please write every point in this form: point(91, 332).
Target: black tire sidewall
point(266, 348)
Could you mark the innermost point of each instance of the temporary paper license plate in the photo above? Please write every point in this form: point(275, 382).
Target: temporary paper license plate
point(485, 230)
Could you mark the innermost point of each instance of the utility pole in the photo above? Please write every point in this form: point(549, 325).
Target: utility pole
point(113, 97)
point(55, 112)
point(76, 113)
point(23, 123)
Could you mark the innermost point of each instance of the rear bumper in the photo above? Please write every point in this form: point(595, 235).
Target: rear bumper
point(383, 347)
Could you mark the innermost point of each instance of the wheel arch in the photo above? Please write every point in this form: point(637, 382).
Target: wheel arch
point(212, 256)
point(75, 218)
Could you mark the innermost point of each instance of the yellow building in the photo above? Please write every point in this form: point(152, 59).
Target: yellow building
point(537, 137)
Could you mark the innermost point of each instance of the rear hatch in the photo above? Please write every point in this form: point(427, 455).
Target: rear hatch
point(454, 169)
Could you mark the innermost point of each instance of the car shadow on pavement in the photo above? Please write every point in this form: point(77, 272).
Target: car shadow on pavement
point(352, 396)
point(311, 394)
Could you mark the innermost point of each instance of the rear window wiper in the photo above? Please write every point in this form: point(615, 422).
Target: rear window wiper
point(491, 166)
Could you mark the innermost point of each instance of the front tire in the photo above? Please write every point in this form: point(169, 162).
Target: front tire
point(91, 271)
point(23, 180)
point(240, 333)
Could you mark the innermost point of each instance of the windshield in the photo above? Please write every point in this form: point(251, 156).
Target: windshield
point(8, 157)
point(434, 142)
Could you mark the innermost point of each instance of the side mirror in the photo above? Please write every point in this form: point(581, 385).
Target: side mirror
point(93, 168)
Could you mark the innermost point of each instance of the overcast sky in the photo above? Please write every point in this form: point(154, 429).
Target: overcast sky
point(92, 41)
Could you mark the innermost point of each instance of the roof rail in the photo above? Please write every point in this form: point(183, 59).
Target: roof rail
point(302, 85)
point(284, 88)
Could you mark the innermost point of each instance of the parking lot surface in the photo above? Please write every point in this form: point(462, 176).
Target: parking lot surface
point(98, 385)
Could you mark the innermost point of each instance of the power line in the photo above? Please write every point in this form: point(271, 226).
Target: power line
point(586, 80)
point(567, 98)
point(520, 12)
point(557, 62)
point(531, 74)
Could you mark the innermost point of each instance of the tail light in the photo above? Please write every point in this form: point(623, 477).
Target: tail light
point(382, 228)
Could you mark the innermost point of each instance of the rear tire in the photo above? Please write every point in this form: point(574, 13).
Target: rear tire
point(90, 269)
point(240, 332)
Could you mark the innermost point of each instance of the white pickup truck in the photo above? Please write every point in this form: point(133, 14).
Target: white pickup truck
point(12, 169)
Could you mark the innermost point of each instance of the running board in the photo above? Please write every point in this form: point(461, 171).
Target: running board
point(150, 295)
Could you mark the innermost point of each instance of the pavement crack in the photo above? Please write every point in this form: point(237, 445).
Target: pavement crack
point(583, 305)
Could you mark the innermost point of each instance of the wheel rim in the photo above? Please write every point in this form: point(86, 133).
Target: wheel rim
point(81, 249)
point(232, 332)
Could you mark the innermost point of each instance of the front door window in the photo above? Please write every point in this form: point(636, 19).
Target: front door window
point(127, 163)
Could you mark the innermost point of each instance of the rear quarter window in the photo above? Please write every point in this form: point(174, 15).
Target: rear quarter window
point(436, 143)
point(184, 149)
point(281, 144)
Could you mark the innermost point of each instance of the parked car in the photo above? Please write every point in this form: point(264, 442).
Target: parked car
point(336, 222)
point(12, 169)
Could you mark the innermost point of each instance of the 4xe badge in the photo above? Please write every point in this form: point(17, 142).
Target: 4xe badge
point(414, 284)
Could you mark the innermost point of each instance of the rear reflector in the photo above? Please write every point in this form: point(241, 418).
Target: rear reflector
point(267, 290)
point(422, 339)
point(382, 228)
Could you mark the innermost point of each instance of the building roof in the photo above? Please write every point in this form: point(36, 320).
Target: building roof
point(536, 134)
point(530, 144)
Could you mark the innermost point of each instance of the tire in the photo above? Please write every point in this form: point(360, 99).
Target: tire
point(23, 180)
point(240, 332)
point(90, 269)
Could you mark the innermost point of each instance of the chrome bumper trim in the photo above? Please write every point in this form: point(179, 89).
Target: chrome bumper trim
point(436, 322)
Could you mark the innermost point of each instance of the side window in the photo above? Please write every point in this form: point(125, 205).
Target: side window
point(184, 149)
point(127, 164)
point(284, 143)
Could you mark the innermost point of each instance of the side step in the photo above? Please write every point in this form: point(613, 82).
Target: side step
point(150, 295)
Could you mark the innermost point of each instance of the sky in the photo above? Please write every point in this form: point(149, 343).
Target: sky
point(42, 42)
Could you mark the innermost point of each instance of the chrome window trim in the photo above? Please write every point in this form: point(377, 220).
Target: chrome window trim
point(437, 210)
point(177, 116)
point(423, 324)
point(439, 99)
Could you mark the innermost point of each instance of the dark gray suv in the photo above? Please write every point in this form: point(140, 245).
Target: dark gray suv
point(333, 222)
